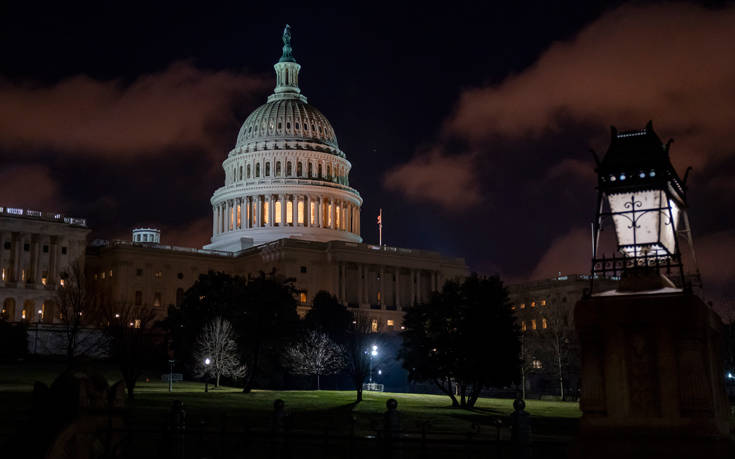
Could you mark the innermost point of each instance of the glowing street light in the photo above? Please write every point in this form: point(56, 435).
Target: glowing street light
point(207, 361)
point(373, 353)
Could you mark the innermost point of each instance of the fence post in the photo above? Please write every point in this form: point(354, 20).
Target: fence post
point(177, 429)
point(520, 422)
point(391, 427)
point(280, 447)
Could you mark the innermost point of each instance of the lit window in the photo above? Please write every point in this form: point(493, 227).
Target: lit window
point(533, 304)
point(289, 212)
point(95, 276)
point(158, 274)
point(513, 308)
point(157, 300)
point(3, 273)
point(389, 322)
point(265, 213)
point(277, 216)
point(523, 325)
point(543, 302)
point(103, 274)
point(374, 326)
point(312, 212)
point(544, 324)
point(536, 364)
point(533, 324)
point(110, 273)
point(23, 275)
point(61, 282)
point(23, 314)
point(44, 278)
point(300, 212)
point(523, 305)
point(378, 296)
point(302, 297)
point(137, 323)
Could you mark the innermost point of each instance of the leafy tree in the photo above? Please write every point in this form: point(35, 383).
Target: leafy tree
point(466, 336)
point(315, 354)
point(129, 329)
point(358, 342)
point(217, 344)
point(261, 308)
point(329, 316)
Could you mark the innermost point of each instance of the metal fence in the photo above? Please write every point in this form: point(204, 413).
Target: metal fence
point(178, 440)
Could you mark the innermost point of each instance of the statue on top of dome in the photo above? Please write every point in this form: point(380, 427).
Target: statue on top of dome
point(287, 50)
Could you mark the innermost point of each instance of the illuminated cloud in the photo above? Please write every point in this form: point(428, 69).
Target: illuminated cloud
point(672, 63)
point(568, 254)
point(80, 115)
point(29, 187)
point(449, 181)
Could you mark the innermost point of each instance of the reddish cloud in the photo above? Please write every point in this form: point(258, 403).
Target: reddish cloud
point(449, 181)
point(175, 107)
point(714, 257)
point(29, 187)
point(673, 63)
point(572, 167)
point(568, 254)
point(193, 234)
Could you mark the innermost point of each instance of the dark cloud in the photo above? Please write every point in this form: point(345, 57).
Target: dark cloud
point(29, 187)
point(174, 108)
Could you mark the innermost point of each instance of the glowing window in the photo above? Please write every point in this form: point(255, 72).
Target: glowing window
point(374, 326)
point(312, 213)
point(544, 324)
point(264, 218)
point(337, 215)
point(523, 305)
point(533, 304)
point(110, 273)
point(157, 300)
point(513, 308)
point(158, 274)
point(533, 324)
point(536, 364)
point(3, 274)
point(137, 323)
point(23, 275)
point(61, 282)
point(300, 212)
point(302, 297)
point(23, 314)
point(389, 322)
point(239, 216)
point(103, 274)
point(277, 216)
point(378, 296)
point(523, 325)
point(543, 302)
point(289, 212)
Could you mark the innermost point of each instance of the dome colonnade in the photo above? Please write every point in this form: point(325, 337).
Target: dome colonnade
point(286, 176)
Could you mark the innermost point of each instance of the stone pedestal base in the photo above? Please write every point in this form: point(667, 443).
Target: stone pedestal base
point(652, 377)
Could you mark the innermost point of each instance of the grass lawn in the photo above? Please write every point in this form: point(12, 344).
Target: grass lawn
point(308, 410)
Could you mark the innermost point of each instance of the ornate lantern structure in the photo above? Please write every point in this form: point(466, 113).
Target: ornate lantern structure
point(641, 194)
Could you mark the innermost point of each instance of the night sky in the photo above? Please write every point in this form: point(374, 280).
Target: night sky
point(470, 127)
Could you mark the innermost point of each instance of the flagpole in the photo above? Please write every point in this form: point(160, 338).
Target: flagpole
point(380, 228)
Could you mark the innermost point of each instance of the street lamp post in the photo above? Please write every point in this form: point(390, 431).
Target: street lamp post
point(171, 375)
point(207, 362)
point(373, 353)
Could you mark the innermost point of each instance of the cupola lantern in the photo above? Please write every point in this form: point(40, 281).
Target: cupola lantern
point(641, 193)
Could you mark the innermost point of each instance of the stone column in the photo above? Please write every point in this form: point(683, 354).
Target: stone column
point(397, 288)
point(53, 257)
point(34, 275)
point(318, 211)
point(295, 199)
point(332, 213)
point(360, 286)
point(307, 210)
point(228, 219)
point(214, 220)
point(342, 279)
point(257, 209)
point(282, 200)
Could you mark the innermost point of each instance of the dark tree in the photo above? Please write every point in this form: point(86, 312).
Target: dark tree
point(261, 308)
point(466, 336)
point(329, 316)
point(358, 342)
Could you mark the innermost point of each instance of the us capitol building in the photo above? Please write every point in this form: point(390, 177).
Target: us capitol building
point(286, 205)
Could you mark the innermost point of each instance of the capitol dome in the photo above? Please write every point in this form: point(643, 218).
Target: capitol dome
point(286, 176)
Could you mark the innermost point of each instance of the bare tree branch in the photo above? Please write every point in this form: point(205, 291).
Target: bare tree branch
point(314, 354)
point(217, 345)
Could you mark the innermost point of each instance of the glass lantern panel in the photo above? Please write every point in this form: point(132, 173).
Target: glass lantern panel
point(642, 222)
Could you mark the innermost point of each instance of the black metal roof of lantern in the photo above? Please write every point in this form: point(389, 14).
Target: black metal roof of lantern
point(641, 194)
point(642, 160)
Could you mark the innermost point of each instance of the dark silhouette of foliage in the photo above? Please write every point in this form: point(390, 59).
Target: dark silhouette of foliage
point(464, 338)
point(329, 316)
point(261, 308)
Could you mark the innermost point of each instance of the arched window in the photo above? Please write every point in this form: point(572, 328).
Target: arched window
point(257, 170)
point(8, 310)
point(320, 171)
point(278, 169)
point(267, 169)
point(240, 172)
point(248, 172)
point(311, 170)
point(289, 169)
point(299, 169)
point(329, 171)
